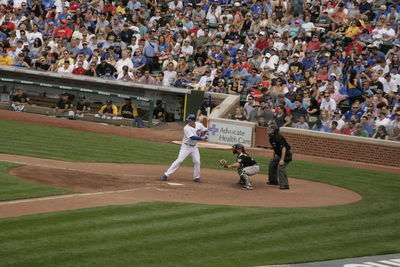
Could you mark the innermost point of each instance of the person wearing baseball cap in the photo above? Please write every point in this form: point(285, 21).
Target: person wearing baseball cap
point(82, 106)
point(192, 133)
point(63, 30)
point(282, 156)
point(108, 111)
point(206, 107)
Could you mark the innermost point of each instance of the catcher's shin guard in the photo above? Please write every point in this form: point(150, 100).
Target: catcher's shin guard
point(245, 181)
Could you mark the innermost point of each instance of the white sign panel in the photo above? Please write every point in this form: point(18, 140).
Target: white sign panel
point(226, 133)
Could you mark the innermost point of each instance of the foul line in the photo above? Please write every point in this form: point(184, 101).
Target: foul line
point(74, 195)
point(72, 169)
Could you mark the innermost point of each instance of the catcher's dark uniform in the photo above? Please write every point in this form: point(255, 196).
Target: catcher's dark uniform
point(248, 167)
point(277, 172)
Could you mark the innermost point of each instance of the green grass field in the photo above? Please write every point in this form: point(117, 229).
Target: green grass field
point(176, 234)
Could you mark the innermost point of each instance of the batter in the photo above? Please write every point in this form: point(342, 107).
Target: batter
point(192, 133)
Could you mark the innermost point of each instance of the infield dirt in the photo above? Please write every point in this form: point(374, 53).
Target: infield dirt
point(104, 184)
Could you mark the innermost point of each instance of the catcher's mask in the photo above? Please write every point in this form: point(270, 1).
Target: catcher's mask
point(237, 147)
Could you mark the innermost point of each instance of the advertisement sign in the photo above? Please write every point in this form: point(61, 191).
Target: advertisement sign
point(230, 133)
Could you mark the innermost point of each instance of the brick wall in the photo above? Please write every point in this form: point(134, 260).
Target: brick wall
point(337, 146)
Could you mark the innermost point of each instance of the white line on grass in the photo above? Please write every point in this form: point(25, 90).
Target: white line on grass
point(74, 169)
point(72, 195)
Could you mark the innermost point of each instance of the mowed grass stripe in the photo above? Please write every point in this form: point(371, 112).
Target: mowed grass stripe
point(129, 242)
point(147, 221)
point(188, 231)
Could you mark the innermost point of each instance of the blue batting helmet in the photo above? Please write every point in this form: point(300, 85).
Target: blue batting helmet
point(207, 96)
point(191, 117)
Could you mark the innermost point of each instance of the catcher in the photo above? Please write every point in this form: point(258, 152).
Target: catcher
point(246, 165)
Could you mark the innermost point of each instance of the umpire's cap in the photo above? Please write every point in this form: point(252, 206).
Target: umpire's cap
point(237, 146)
point(191, 117)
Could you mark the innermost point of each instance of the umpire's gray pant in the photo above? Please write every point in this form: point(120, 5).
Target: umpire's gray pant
point(277, 173)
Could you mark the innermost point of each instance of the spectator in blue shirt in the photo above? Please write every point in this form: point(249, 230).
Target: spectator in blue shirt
point(86, 50)
point(226, 70)
point(134, 5)
point(47, 4)
point(253, 79)
point(258, 8)
point(359, 67)
point(108, 75)
point(139, 61)
point(355, 113)
point(308, 61)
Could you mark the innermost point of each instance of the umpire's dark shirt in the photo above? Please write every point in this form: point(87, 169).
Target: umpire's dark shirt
point(278, 142)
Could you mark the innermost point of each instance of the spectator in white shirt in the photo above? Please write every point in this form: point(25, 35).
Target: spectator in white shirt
point(187, 49)
point(389, 85)
point(273, 60)
point(170, 75)
point(388, 33)
point(66, 67)
point(328, 103)
point(283, 66)
point(206, 78)
point(34, 34)
point(382, 120)
point(339, 119)
point(82, 57)
point(124, 61)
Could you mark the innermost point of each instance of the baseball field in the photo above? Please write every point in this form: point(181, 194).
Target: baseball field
point(167, 233)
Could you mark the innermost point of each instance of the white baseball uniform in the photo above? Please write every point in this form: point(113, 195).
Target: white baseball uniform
point(189, 147)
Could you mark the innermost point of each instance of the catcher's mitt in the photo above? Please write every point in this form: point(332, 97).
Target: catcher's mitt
point(223, 163)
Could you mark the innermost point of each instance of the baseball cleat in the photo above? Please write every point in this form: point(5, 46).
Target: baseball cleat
point(272, 183)
point(197, 180)
point(285, 187)
point(164, 178)
point(247, 187)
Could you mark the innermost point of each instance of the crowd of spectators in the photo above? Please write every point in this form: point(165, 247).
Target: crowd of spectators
point(326, 65)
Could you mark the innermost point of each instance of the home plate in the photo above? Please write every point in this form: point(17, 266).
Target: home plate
point(174, 184)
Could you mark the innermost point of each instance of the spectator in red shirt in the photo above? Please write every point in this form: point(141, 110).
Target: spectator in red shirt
point(73, 6)
point(261, 42)
point(63, 30)
point(108, 7)
point(7, 21)
point(323, 73)
point(195, 29)
point(355, 46)
point(79, 70)
point(314, 44)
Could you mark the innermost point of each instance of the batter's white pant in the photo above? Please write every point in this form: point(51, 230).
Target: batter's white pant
point(185, 151)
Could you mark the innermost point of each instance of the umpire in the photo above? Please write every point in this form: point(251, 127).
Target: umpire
point(281, 158)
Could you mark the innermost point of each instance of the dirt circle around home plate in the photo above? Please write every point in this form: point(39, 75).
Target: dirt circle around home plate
point(102, 184)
